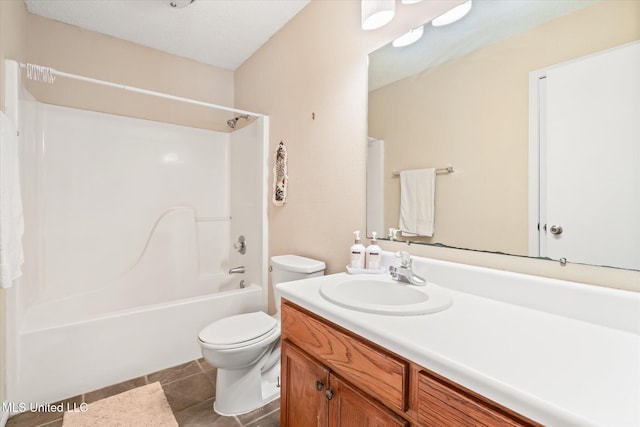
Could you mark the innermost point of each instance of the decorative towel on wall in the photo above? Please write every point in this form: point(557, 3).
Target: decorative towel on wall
point(280, 178)
point(11, 218)
point(417, 201)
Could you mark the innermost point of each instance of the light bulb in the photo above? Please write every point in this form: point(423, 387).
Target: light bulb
point(410, 37)
point(376, 13)
point(453, 15)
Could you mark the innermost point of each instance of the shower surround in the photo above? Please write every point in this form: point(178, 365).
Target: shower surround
point(128, 241)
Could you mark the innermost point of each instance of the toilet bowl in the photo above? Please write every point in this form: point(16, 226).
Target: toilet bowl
point(245, 348)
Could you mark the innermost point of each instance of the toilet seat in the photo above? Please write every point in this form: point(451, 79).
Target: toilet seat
point(240, 330)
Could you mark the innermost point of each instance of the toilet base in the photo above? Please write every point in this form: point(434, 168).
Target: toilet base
point(240, 391)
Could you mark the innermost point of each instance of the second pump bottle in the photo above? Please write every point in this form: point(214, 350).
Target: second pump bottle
point(369, 258)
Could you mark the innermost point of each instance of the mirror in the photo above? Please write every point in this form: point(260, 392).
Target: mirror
point(460, 97)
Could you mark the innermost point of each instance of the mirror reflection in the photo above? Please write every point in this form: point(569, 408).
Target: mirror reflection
point(460, 97)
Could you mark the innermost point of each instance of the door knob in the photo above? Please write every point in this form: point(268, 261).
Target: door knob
point(556, 229)
point(319, 385)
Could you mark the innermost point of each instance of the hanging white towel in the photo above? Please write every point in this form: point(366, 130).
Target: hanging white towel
point(11, 218)
point(417, 201)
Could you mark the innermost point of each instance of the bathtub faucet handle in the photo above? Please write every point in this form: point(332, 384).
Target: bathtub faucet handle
point(240, 245)
point(237, 270)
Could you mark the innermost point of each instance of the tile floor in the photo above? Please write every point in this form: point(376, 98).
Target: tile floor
point(190, 390)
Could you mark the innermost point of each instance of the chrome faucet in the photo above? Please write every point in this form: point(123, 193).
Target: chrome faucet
point(237, 270)
point(402, 271)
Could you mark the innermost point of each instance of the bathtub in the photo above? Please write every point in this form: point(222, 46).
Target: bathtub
point(146, 319)
point(64, 360)
point(127, 245)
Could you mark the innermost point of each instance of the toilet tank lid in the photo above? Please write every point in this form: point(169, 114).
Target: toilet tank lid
point(297, 264)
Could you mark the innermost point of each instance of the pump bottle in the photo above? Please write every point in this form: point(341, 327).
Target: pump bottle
point(357, 253)
point(373, 254)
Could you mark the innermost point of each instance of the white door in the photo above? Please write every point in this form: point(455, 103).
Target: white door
point(590, 160)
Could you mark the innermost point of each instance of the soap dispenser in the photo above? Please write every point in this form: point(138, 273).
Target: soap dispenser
point(373, 253)
point(357, 253)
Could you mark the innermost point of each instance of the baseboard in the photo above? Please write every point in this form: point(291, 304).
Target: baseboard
point(5, 414)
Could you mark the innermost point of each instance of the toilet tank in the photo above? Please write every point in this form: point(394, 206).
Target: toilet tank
point(285, 268)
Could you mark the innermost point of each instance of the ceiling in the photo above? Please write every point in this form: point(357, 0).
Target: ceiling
point(489, 21)
point(223, 33)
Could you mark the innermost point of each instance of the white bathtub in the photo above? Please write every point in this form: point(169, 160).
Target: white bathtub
point(69, 359)
point(128, 240)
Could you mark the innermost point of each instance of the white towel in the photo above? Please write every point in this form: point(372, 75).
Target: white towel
point(417, 206)
point(11, 219)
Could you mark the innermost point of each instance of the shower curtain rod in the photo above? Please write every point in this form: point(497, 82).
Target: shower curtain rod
point(139, 90)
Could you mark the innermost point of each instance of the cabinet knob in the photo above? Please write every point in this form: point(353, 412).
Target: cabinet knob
point(319, 385)
point(329, 394)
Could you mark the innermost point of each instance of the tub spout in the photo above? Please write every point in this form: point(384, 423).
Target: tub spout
point(237, 270)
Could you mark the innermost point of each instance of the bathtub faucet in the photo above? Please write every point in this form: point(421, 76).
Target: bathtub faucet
point(237, 270)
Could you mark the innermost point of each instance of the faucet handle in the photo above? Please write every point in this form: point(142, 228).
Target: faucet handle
point(404, 257)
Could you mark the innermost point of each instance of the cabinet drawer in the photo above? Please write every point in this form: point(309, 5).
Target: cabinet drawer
point(366, 366)
point(442, 403)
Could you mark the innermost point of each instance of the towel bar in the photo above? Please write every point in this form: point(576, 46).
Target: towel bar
point(448, 169)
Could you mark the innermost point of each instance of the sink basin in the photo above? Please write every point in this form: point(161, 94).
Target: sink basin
point(373, 294)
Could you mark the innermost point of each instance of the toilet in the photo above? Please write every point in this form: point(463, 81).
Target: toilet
point(246, 347)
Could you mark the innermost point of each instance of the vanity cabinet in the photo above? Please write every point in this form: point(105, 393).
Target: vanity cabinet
point(313, 396)
point(332, 377)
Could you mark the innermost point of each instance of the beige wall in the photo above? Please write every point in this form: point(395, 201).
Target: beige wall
point(13, 36)
point(13, 45)
point(317, 63)
point(472, 113)
point(73, 50)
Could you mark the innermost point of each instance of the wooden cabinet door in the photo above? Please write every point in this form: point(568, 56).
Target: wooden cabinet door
point(442, 403)
point(368, 367)
point(303, 400)
point(350, 408)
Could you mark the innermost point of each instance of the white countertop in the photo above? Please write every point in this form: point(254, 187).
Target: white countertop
point(557, 370)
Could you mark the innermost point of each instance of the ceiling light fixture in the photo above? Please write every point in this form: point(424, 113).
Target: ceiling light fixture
point(411, 37)
point(179, 4)
point(453, 15)
point(376, 13)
